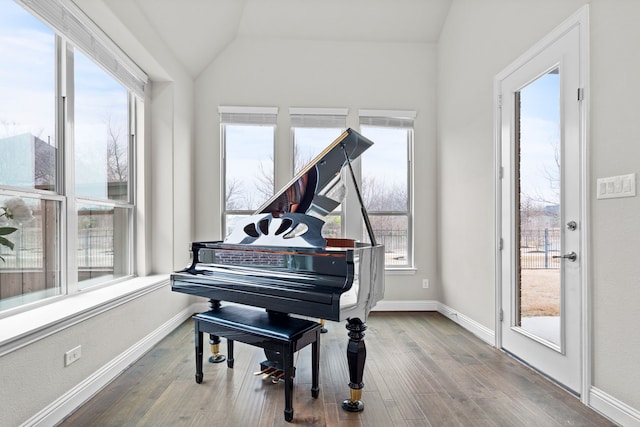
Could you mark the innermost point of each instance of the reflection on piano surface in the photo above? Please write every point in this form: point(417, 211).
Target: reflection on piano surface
point(277, 259)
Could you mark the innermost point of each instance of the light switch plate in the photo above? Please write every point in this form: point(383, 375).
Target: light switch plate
point(616, 186)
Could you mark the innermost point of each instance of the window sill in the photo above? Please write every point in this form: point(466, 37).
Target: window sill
point(30, 326)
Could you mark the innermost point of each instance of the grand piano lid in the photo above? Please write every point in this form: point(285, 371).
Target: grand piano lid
point(317, 189)
point(293, 215)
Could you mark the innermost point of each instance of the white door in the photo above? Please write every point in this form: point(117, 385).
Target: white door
point(542, 209)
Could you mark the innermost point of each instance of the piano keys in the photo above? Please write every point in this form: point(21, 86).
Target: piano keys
point(278, 259)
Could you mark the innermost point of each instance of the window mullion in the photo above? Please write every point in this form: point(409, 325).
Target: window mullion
point(70, 218)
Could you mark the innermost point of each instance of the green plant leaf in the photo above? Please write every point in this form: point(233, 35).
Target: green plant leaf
point(7, 230)
point(6, 242)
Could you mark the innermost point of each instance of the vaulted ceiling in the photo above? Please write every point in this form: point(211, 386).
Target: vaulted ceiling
point(197, 31)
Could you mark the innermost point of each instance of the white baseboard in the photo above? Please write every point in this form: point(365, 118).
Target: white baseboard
point(74, 398)
point(485, 334)
point(404, 305)
point(613, 409)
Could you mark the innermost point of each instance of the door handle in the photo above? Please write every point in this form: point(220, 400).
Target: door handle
point(571, 256)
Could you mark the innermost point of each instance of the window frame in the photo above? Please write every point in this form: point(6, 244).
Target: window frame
point(396, 119)
point(84, 36)
point(242, 116)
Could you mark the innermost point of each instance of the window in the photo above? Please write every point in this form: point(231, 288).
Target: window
point(101, 156)
point(248, 136)
point(66, 144)
point(312, 130)
point(387, 181)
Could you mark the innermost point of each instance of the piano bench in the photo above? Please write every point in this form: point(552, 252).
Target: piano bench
point(274, 332)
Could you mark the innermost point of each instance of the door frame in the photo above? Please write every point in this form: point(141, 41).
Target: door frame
point(581, 20)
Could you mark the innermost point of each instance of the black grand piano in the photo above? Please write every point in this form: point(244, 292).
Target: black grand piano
point(277, 259)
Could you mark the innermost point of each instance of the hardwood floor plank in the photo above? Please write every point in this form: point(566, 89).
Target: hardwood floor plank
point(422, 369)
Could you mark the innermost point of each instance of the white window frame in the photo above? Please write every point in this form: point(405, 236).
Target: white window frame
point(403, 119)
point(73, 29)
point(241, 115)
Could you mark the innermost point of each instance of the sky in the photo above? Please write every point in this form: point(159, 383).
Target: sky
point(540, 138)
point(26, 74)
point(248, 157)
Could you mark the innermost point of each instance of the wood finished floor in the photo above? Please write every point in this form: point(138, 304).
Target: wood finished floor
point(422, 370)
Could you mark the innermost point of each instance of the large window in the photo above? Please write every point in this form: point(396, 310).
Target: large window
point(248, 169)
point(248, 160)
point(312, 130)
point(387, 181)
point(66, 144)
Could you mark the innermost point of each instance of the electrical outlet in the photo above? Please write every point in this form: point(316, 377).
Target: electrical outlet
point(425, 283)
point(72, 355)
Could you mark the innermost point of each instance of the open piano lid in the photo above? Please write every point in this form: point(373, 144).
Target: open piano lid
point(317, 189)
point(296, 210)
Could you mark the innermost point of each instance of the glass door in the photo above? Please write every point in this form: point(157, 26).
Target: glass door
point(541, 211)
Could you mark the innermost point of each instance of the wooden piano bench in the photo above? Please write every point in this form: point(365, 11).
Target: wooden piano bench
point(278, 334)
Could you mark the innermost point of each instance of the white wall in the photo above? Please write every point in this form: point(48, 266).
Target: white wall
point(615, 150)
point(290, 73)
point(479, 40)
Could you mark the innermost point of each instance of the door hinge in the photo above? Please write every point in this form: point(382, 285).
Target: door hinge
point(500, 101)
point(501, 172)
point(501, 244)
point(501, 315)
point(580, 94)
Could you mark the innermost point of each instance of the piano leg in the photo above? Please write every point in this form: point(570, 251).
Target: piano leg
point(323, 330)
point(356, 355)
point(216, 357)
point(214, 340)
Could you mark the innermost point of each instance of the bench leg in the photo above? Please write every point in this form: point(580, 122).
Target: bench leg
point(229, 353)
point(199, 341)
point(315, 366)
point(287, 354)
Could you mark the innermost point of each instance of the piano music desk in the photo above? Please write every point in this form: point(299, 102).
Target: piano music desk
point(271, 331)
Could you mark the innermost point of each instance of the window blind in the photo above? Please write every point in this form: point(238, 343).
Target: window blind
point(248, 115)
point(319, 117)
point(71, 23)
point(388, 118)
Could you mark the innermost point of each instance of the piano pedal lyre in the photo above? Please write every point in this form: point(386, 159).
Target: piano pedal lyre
point(276, 378)
point(272, 370)
point(262, 372)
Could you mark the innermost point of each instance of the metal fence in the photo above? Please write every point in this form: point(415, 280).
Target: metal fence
point(537, 248)
point(95, 249)
point(395, 245)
